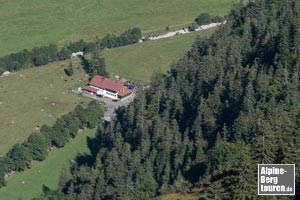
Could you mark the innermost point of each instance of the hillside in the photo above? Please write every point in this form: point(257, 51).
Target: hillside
point(32, 23)
point(139, 61)
point(29, 182)
point(52, 100)
point(33, 97)
point(230, 103)
point(170, 49)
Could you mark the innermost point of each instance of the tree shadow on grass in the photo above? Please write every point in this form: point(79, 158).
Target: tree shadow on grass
point(87, 159)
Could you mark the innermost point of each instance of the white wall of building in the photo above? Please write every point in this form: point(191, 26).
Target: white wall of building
point(111, 95)
point(106, 93)
point(100, 91)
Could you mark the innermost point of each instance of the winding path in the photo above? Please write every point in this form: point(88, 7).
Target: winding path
point(186, 31)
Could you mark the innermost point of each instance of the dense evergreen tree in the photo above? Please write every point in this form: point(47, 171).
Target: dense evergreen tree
point(44, 55)
point(2, 179)
point(20, 157)
point(95, 66)
point(70, 70)
point(130, 36)
point(37, 146)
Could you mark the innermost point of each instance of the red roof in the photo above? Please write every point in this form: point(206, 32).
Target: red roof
point(106, 83)
point(90, 89)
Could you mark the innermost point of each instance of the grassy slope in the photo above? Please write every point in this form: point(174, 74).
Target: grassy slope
point(28, 184)
point(30, 23)
point(28, 100)
point(163, 52)
point(139, 61)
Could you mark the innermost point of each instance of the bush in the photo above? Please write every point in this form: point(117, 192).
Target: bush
point(109, 41)
point(217, 19)
point(203, 18)
point(130, 36)
point(64, 53)
point(193, 27)
point(77, 46)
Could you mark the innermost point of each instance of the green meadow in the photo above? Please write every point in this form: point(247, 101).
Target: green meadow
point(139, 61)
point(31, 23)
point(28, 184)
point(33, 97)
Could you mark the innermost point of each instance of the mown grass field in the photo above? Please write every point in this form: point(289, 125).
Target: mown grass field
point(30, 23)
point(139, 61)
point(28, 184)
point(33, 97)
